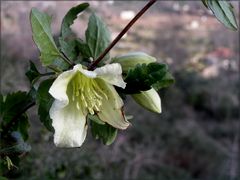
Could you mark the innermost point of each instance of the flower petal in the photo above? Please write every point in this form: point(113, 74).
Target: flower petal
point(90, 74)
point(69, 124)
point(59, 87)
point(111, 109)
point(111, 73)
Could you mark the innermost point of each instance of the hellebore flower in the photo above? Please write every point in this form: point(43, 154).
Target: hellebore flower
point(78, 92)
point(150, 99)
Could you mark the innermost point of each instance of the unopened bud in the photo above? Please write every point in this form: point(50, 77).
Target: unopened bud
point(130, 60)
point(149, 100)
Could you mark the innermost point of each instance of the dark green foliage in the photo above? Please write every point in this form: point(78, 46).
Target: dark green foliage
point(32, 74)
point(166, 81)
point(102, 131)
point(144, 76)
point(13, 128)
point(68, 45)
point(97, 36)
point(12, 114)
point(83, 49)
point(70, 17)
point(223, 10)
point(44, 102)
point(68, 48)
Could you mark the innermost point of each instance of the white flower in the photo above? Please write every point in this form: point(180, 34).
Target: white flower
point(78, 92)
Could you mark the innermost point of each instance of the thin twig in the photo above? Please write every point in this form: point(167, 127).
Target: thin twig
point(48, 74)
point(55, 69)
point(121, 34)
point(68, 61)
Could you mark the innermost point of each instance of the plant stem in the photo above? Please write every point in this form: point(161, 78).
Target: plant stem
point(48, 74)
point(120, 35)
point(68, 61)
point(55, 69)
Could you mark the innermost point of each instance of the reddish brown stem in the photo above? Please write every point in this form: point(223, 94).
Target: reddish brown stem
point(121, 34)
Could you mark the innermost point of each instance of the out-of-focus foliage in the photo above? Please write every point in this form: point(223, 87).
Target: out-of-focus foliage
point(223, 10)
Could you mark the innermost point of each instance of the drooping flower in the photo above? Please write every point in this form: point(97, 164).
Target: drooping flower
point(78, 92)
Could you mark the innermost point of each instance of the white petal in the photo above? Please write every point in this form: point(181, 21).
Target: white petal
point(111, 73)
point(90, 74)
point(111, 109)
point(69, 124)
point(59, 87)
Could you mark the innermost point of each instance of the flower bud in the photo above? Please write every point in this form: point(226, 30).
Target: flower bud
point(149, 100)
point(130, 60)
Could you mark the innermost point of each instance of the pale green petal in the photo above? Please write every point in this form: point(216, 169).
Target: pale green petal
point(111, 73)
point(69, 124)
point(111, 109)
point(59, 87)
point(149, 100)
point(130, 60)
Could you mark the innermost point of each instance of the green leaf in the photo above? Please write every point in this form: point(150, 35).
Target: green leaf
point(144, 76)
point(223, 11)
point(166, 81)
point(106, 133)
point(70, 17)
point(97, 36)
point(13, 104)
point(84, 49)
point(69, 48)
point(42, 36)
point(44, 102)
point(32, 74)
point(11, 109)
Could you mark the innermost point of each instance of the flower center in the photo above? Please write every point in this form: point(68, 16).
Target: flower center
point(87, 93)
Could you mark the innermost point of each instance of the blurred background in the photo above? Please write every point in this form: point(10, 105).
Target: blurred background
point(197, 134)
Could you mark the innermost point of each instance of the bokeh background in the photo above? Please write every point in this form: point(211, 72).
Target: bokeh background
point(197, 134)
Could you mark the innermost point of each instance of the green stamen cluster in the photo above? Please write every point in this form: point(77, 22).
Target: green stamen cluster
point(87, 92)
